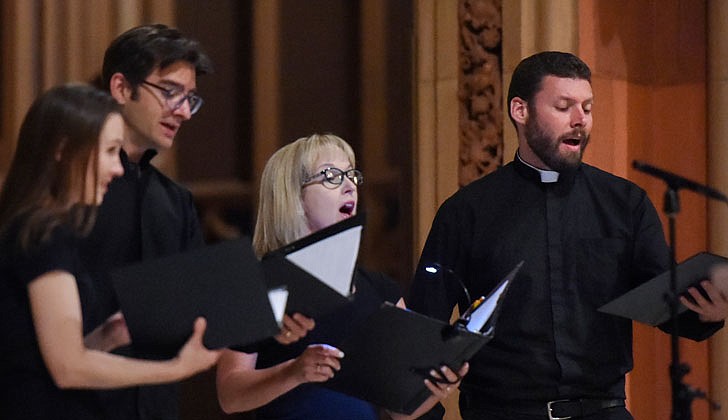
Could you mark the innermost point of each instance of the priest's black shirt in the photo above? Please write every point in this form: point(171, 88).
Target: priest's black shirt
point(585, 239)
point(144, 215)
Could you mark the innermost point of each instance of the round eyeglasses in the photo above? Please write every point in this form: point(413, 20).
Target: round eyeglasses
point(174, 98)
point(335, 176)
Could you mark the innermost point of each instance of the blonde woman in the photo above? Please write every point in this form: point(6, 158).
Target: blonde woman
point(306, 186)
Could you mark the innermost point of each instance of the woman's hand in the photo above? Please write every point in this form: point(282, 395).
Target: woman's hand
point(294, 328)
point(318, 363)
point(194, 357)
point(110, 335)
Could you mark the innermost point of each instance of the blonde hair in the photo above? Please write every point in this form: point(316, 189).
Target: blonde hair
point(281, 218)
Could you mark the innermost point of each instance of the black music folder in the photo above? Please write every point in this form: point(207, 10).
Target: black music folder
point(388, 358)
point(317, 270)
point(224, 283)
point(649, 302)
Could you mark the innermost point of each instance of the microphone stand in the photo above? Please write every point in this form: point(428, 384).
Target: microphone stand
point(682, 394)
point(681, 397)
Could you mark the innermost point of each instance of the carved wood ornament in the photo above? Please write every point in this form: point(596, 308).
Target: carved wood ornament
point(480, 93)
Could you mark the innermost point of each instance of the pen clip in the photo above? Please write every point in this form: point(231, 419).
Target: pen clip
point(465, 317)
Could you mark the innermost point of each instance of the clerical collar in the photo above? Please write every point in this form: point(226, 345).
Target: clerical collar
point(547, 177)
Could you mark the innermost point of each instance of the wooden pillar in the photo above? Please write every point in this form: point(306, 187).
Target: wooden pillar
point(435, 151)
point(20, 65)
point(436, 139)
point(266, 82)
point(718, 178)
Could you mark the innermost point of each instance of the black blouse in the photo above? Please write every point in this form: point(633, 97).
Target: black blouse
point(27, 390)
point(144, 215)
point(309, 401)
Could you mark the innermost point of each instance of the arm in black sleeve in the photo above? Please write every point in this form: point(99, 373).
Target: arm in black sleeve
point(652, 253)
point(436, 293)
point(690, 326)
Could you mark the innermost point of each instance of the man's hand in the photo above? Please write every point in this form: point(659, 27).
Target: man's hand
point(714, 308)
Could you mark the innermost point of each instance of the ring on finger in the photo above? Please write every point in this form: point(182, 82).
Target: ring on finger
point(288, 334)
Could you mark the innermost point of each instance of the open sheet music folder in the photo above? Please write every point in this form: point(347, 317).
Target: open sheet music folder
point(238, 294)
point(317, 270)
point(161, 298)
point(387, 359)
point(649, 302)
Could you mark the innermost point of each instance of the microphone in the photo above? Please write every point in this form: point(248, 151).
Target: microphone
point(677, 182)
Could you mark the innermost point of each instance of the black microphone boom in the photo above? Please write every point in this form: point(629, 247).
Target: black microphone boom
point(677, 182)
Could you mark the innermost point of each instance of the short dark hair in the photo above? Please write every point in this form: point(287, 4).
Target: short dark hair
point(138, 51)
point(530, 72)
point(58, 141)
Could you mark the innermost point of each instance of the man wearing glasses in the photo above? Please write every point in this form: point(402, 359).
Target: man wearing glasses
point(151, 71)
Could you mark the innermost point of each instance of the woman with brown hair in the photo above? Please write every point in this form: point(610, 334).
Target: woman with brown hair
point(54, 346)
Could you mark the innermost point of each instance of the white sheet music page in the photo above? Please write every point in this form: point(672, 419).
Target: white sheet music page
point(278, 298)
point(482, 313)
point(332, 259)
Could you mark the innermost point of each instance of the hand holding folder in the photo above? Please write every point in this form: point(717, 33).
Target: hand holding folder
point(649, 302)
point(390, 355)
point(161, 298)
point(242, 298)
point(317, 270)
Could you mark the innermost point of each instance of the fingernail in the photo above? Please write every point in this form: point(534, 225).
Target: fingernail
point(336, 352)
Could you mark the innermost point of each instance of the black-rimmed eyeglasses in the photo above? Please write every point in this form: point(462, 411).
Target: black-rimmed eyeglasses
point(335, 176)
point(174, 98)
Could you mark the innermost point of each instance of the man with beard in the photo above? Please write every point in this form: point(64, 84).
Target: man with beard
point(586, 237)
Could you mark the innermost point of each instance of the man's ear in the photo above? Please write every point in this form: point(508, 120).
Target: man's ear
point(120, 88)
point(519, 110)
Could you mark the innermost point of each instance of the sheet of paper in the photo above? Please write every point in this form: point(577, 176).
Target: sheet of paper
point(332, 259)
point(482, 313)
point(278, 298)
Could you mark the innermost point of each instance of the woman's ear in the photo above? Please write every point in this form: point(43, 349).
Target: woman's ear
point(519, 110)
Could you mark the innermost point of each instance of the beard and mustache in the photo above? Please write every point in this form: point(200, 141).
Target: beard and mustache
point(547, 148)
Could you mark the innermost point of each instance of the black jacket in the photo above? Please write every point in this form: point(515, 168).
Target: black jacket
point(144, 215)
